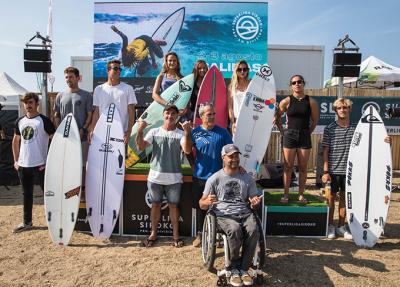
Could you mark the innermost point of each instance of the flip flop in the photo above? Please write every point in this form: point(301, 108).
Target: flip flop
point(148, 242)
point(284, 200)
point(178, 243)
point(302, 200)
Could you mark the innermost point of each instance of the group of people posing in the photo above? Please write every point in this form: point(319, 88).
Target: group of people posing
point(218, 180)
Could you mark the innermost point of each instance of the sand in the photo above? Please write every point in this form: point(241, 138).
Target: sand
point(30, 259)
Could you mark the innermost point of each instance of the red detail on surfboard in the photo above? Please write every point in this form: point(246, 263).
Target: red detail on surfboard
point(213, 90)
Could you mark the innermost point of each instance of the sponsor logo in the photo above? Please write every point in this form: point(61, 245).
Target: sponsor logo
point(370, 119)
point(49, 193)
point(258, 99)
point(258, 107)
point(106, 147)
point(367, 104)
point(174, 98)
point(116, 140)
point(247, 27)
point(144, 115)
point(365, 225)
point(28, 133)
point(120, 171)
point(148, 200)
point(356, 139)
point(72, 192)
point(265, 71)
point(248, 148)
point(248, 98)
point(349, 173)
point(270, 103)
point(110, 113)
point(255, 117)
point(67, 126)
point(349, 201)
point(388, 176)
point(246, 155)
point(183, 87)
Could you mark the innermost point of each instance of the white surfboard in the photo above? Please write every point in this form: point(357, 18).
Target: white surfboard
point(105, 173)
point(63, 178)
point(254, 123)
point(368, 179)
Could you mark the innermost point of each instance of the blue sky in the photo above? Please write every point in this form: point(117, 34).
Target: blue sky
point(373, 25)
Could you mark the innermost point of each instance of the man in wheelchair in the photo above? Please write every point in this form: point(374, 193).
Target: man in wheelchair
point(232, 195)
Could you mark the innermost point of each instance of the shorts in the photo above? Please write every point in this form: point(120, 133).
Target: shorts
point(171, 191)
point(338, 183)
point(294, 138)
point(198, 188)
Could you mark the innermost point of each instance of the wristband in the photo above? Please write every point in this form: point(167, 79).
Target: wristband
point(326, 172)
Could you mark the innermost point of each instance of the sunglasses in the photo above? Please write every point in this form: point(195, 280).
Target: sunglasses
point(299, 82)
point(116, 69)
point(242, 70)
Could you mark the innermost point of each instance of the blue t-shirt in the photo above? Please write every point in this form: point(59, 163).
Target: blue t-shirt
point(208, 144)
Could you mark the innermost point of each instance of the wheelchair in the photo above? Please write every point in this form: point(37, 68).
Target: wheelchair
point(213, 236)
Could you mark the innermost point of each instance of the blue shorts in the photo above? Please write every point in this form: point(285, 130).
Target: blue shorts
point(171, 191)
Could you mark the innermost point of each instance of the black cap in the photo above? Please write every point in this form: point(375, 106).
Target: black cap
point(169, 107)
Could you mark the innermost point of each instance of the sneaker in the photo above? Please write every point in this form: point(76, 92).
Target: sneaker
point(342, 231)
point(22, 227)
point(331, 232)
point(197, 241)
point(246, 278)
point(235, 279)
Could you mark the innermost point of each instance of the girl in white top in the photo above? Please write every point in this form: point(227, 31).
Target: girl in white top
point(237, 91)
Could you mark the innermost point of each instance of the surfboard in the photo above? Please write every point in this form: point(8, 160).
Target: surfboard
point(254, 123)
point(213, 90)
point(105, 173)
point(368, 179)
point(63, 179)
point(177, 94)
point(169, 29)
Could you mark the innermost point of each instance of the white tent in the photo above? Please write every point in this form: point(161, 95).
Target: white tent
point(374, 73)
point(10, 90)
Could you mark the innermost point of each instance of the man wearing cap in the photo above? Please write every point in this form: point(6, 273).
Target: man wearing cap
point(30, 142)
point(165, 175)
point(208, 140)
point(232, 194)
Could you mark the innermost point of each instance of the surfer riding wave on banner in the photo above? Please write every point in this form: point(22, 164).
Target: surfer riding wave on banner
point(138, 51)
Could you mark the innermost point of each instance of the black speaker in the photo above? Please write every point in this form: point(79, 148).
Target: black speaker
point(396, 84)
point(347, 59)
point(37, 55)
point(345, 71)
point(37, 67)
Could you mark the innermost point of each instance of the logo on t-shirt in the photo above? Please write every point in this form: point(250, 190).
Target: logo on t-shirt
point(28, 133)
point(232, 191)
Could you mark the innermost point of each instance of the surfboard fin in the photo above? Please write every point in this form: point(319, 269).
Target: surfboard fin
point(382, 224)
point(49, 216)
point(61, 233)
point(351, 217)
point(365, 235)
point(72, 217)
point(101, 228)
point(90, 212)
point(114, 214)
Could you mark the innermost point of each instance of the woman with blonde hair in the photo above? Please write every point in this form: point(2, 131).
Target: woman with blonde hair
point(170, 73)
point(237, 91)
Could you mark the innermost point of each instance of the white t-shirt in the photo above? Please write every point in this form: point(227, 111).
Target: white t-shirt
point(121, 95)
point(34, 134)
point(165, 164)
point(238, 97)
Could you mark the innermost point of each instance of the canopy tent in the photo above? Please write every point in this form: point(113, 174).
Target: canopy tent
point(374, 73)
point(10, 90)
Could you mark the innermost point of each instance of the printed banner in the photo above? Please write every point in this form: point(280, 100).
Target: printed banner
point(140, 34)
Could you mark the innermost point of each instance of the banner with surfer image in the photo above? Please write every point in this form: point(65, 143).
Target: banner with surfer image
point(140, 34)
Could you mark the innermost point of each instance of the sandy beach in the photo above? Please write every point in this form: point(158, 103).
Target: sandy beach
point(30, 259)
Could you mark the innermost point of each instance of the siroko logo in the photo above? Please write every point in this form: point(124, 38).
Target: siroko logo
point(247, 27)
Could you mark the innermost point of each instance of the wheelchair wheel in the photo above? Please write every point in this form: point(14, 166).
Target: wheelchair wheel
point(208, 241)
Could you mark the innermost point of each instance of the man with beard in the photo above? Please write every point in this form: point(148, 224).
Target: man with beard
point(232, 195)
point(30, 142)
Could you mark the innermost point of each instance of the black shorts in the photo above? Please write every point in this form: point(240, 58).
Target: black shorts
point(293, 138)
point(338, 183)
point(198, 188)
